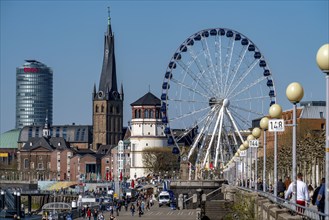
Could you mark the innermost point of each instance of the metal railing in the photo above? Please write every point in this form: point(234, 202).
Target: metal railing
point(308, 212)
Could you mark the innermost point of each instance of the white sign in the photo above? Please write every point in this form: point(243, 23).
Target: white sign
point(253, 143)
point(88, 200)
point(276, 125)
point(243, 153)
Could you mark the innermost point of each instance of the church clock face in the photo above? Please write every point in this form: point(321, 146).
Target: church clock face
point(100, 94)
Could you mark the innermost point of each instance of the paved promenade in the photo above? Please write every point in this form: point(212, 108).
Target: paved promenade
point(156, 213)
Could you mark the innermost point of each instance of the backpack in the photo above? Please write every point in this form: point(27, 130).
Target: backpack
point(315, 194)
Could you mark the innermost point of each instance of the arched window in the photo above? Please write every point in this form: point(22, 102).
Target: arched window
point(146, 113)
point(96, 108)
point(136, 113)
point(117, 110)
point(102, 108)
point(151, 115)
point(157, 115)
point(111, 109)
point(139, 113)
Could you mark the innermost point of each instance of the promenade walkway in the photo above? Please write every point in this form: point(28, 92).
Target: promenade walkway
point(156, 213)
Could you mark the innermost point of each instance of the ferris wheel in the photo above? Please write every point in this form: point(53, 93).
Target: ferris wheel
point(216, 83)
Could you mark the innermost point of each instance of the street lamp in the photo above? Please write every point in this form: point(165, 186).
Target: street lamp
point(249, 138)
point(275, 112)
point(264, 125)
point(256, 133)
point(246, 146)
point(294, 93)
point(241, 148)
point(322, 59)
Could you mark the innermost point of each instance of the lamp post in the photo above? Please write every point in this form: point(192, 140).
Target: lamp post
point(246, 146)
point(241, 148)
point(264, 125)
point(275, 112)
point(249, 138)
point(294, 93)
point(322, 59)
point(256, 133)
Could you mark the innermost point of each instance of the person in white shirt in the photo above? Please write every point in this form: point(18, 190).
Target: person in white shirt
point(302, 192)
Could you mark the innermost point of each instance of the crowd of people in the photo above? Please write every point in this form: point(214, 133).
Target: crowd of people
point(305, 194)
point(143, 203)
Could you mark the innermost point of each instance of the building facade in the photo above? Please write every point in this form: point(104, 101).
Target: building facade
point(147, 131)
point(77, 136)
point(107, 101)
point(34, 94)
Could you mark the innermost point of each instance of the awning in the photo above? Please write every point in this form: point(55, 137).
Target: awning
point(62, 185)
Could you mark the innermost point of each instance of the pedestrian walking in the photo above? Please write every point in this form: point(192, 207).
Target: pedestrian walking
point(320, 200)
point(117, 209)
point(287, 182)
point(281, 188)
point(132, 209)
point(89, 214)
point(95, 214)
point(111, 209)
point(140, 211)
point(302, 193)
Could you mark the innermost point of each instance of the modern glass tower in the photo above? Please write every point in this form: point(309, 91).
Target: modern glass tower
point(34, 94)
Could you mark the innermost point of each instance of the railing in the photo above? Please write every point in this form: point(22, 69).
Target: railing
point(295, 209)
point(212, 192)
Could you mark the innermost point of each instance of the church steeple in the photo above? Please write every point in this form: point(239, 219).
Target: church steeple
point(107, 101)
point(108, 80)
point(109, 29)
point(46, 128)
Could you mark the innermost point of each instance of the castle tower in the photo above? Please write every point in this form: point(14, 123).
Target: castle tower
point(107, 101)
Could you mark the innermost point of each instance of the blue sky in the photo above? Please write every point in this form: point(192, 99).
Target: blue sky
point(68, 36)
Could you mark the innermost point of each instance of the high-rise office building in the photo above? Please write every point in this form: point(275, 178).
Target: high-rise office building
point(34, 94)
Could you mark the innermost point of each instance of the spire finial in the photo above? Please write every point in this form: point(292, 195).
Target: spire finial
point(108, 17)
point(149, 88)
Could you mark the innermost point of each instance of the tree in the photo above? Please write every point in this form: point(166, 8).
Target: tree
point(160, 159)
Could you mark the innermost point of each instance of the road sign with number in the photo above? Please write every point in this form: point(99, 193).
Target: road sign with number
point(276, 125)
point(243, 153)
point(253, 143)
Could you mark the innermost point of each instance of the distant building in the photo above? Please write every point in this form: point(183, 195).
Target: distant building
point(147, 130)
point(107, 101)
point(77, 136)
point(34, 94)
point(8, 149)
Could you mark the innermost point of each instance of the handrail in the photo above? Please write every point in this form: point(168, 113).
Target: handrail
point(307, 212)
point(206, 194)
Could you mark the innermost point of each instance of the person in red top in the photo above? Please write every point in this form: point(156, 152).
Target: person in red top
point(89, 214)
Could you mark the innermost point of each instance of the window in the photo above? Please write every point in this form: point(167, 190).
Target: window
point(96, 109)
point(64, 133)
point(151, 115)
point(30, 131)
point(321, 114)
point(26, 163)
point(102, 108)
point(57, 132)
point(157, 115)
point(147, 144)
point(146, 113)
point(40, 166)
